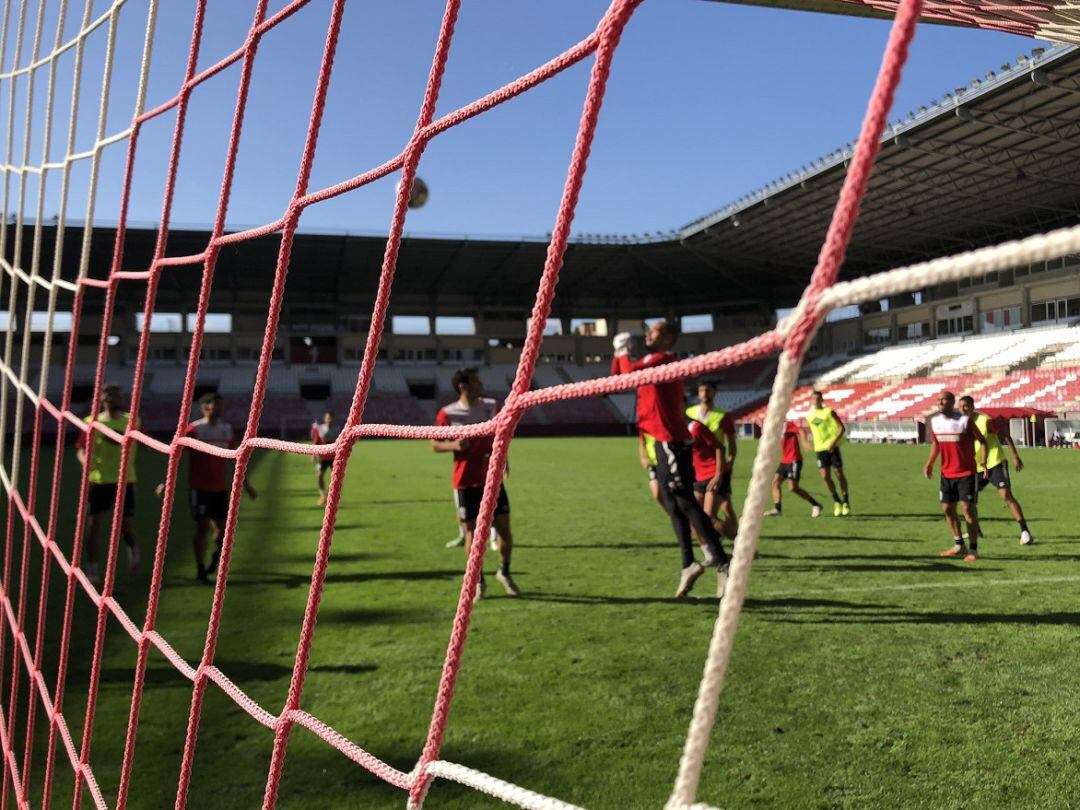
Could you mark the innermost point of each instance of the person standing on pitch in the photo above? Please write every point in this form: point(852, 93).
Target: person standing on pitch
point(471, 457)
point(103, 460)
point(324, 432)
point(790, 470)
point(661, 414)
point(996, 471)
point(954, 436)
point(828, 432)
point(208, 483)
point(722, 427)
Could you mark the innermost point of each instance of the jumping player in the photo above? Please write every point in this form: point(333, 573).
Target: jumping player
point(828, 432)
point(954, 436)
point(103, 460)
point(996, 471)
point(208, 483)
point(719, 422)
point(324, 432)
point(790, 470)
point(661, 414)
point(471, 458)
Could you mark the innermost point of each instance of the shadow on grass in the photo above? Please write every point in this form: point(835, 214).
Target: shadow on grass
point(239, 672)
point(844, 537)
point(959, 617)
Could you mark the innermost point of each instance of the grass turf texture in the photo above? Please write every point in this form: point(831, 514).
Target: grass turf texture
point(867, 671)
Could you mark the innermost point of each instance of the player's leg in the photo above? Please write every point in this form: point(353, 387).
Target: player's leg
point(777, 497)
point(668, 474)
point(205, 533)
point(90, 544)
point(841, 480)
point(796, 489)
point(710, 504)
point(458, 541)
point(999, 476)
point(127, 529)
point(959, 548)
point(470, 508)
point(501, 524)
point(320, 480)
point(677, 473)
point(971, 518)
point(727, 508)
point(824, 462)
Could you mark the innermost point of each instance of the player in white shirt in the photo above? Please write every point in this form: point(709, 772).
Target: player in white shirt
point(324, 432)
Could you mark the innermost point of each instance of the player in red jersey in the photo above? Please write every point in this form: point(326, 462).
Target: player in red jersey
point(719, 422)
point(790, 470)
point(208, 483)
point(471, 458)
point(661, 413)
point(954, 436)
point(324, 432)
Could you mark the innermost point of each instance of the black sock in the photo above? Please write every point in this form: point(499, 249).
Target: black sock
point(777, 505)
point(836, 498)
point(200, 571)
point(848, 502)
point(1023, 526)
point(504, 569)
point(815, 503)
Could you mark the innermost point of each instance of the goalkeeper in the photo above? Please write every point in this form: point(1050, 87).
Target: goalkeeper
point(661, 414)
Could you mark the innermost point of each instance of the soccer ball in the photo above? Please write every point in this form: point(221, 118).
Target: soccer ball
point(419, 194)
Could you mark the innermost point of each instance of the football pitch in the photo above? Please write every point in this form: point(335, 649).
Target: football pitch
point(867, 671)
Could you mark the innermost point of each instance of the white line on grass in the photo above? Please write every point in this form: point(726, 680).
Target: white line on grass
point(918, 586)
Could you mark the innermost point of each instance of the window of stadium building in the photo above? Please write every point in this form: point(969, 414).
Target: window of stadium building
point(215, 322)
point(877, 337)
point(161, 322)
point(1055, 311)
point(958, 325)
point(453, 325)
point(915, 331)
point(1001, 320)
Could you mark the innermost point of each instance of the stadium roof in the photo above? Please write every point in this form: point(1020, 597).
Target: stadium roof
point(989, 162)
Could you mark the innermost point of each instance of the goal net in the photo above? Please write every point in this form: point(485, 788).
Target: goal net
point(42, 111)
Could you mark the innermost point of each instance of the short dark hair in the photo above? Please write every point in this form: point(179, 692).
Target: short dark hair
point(209, 398)
point(112, 390)
point(816, 393)
point(462, 376)
point(671, 327)
point(706, 384)
point(968, 399)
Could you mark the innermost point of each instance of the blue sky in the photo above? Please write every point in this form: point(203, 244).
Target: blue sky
point(706, 102)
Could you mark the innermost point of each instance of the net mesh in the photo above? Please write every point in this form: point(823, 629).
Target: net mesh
point(22, 642)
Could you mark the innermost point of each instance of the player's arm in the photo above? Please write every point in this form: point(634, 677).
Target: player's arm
point(714, 482)
point(984, 447)
point(935, 450)
point(643, 454)
point(447, 445)
point(1003, 435)
point(727, 427)
point(315, 437)
point(843, 429)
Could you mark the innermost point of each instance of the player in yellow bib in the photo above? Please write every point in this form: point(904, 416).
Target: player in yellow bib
point(996, 471)
point(103, 460)
point(722, 427)
point(828, 431)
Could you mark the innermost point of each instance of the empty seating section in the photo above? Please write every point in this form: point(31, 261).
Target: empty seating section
point(997, 352)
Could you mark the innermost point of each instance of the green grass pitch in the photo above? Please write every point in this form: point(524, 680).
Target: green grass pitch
point(867, 672)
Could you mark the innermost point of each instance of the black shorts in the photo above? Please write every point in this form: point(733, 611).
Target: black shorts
point(790, 472)
point(102, 498)
point(723, 489)
point(205, 504)
point(954, 490)
point(998, 476)
point(830, 458)
point(675, 467)
point(468, 503)
point(323, 464)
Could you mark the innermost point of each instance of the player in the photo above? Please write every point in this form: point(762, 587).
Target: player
point(324, 432)
point(828, 432)
point(104, 463)
point(790, 470)
point(470, 469)
point(954, 436)
point(720, 423)
point(208, 485)
point(708, 477)
point(996, 471)
point(661, 414)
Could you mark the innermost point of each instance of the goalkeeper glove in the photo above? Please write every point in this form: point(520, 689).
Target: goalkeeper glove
point(621, 344)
